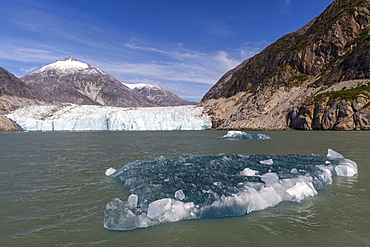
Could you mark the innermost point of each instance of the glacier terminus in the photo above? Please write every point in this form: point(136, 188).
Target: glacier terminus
point(71, 117)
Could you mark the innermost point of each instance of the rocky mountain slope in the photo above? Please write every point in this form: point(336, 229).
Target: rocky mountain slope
point(158, 95)
point(71, 81)
point(268, 90)
point(13, 95)
point(7, 124)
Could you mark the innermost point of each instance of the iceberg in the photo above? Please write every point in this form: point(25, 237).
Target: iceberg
point(69, 117)
point(169, 189)
point(235, 134)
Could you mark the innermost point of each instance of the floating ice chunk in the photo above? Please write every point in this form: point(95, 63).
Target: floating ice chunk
point(326, 175)
point(179, 194)
point(347, 167)
point(294, 170)
point(235, 134)
point(261, 199)
point(333, 154)
point(216, 186)
point(346, 170)
point(270, 178)
point(267, 162)
point(110, 171)
point(159, 207)
point(301, 190)
point(133, 200)
point(248, 172)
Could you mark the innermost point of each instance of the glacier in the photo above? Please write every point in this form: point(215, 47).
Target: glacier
point(70, 117)
point(235, 134)
point(169, 189)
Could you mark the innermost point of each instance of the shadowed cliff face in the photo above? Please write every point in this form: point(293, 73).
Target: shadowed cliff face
point(10, 85)
point(333, 47)
point(14, 93)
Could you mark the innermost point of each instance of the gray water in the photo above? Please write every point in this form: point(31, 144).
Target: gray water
point(54, 191)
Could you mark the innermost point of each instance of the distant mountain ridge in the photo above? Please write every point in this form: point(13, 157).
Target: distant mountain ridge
point(158, 95)
point(267, 90)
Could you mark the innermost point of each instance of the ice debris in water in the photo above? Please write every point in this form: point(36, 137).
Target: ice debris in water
point(110, 171)
point(234, 134)
point(267, 162)
point(211, 186)
point(333, 154)
point(179, 195)
point(248, 172)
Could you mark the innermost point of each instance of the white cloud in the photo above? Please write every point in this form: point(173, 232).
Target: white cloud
point(27, 52)
point(29, 69)
point(190, 71)
point(225, 60)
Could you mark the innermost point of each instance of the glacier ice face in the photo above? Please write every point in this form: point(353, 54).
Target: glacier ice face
point(71, 117)
point(212, 186)
point(235, 134)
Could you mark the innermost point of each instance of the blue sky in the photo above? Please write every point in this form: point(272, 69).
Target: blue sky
point(182, 45)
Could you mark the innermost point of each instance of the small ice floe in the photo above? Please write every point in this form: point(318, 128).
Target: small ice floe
point(110, 171)
point(234, 134)
point(179, 195)
point(248, 172)
point(267, 162)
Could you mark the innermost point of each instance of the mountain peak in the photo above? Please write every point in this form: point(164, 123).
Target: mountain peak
point(68, 65)
point(70, 58)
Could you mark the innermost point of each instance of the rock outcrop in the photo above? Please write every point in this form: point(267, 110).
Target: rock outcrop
point(262, 92)
point(338, 110)
point(7, 124)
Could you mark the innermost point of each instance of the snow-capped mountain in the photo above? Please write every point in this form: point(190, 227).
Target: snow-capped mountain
point(72, 81)
point(159, 95)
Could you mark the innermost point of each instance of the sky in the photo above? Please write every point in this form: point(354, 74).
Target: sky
point(185, 46)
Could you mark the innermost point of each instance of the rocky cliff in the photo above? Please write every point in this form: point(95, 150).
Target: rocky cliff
point(265, 91)
point(347, 109)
